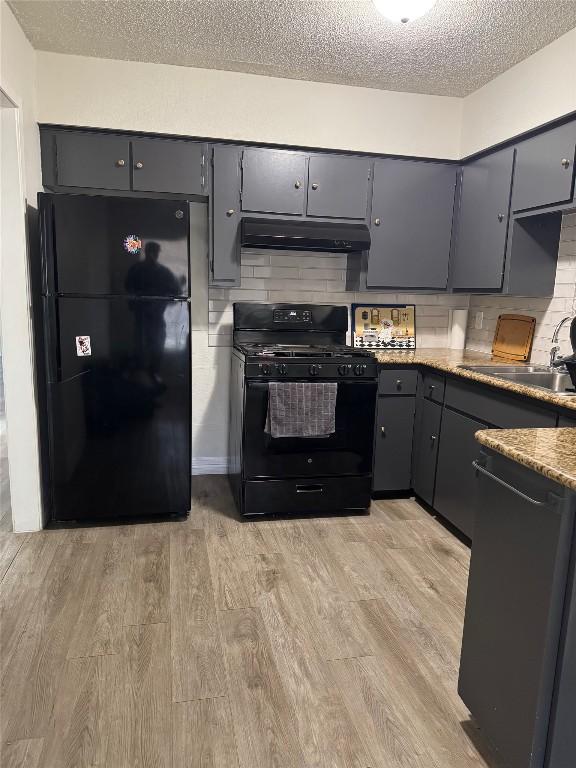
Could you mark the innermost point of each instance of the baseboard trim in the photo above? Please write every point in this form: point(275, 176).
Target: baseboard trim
point(209, 465)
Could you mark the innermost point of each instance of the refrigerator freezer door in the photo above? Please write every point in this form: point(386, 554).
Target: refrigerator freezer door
point(105, 246)
point(120, 409)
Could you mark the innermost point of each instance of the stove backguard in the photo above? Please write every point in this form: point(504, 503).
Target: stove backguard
point(290, 323)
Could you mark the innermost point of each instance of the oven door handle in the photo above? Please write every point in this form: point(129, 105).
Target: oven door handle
point(309, 488)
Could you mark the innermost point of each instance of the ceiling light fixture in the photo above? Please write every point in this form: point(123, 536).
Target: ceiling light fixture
point(403, 10)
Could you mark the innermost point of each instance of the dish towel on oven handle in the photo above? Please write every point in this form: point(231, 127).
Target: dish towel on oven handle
point(301, 409)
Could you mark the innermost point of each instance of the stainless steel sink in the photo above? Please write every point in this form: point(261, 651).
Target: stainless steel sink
point(538, 376)
point(495, 370)
point(553, 381)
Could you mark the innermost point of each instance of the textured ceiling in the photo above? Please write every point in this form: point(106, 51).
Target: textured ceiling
point(453, 50)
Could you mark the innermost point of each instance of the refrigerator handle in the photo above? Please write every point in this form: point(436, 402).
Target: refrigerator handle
point(51, 340)
point(47, 244)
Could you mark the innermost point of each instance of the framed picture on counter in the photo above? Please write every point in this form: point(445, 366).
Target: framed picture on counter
point(384, 326)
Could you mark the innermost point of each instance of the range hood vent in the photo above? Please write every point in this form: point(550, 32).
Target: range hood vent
point(336, 237)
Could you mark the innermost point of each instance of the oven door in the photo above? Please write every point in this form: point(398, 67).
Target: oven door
point(347, 452)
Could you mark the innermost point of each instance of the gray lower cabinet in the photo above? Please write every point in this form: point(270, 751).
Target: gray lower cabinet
point(95, 160)
point(338, 186)
point(544, 172)
point(274, 181)
point(224, 208)
point(393, 443)
point(166, 165)
point(516, 589)
point(425, 448)
point(411, 225)
point(456, 482)
point(478, 261)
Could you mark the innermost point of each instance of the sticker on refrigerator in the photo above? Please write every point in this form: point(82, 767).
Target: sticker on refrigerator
point(83, 348)
point(132, 244)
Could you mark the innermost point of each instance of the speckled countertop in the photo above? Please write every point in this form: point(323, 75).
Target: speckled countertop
point(551, 452)
point(449, 361)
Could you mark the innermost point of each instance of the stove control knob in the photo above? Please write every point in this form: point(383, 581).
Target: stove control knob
point(266, 369)
point(314, 370)
point(344, 370)
point(282, 369)
point(359, 370)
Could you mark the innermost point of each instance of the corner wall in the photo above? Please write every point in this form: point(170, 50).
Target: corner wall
point(20, 182)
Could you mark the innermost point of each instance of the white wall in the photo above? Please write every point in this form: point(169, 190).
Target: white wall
point(548, 312)
point(76, 90)
point(20, 174)
point(537, 90)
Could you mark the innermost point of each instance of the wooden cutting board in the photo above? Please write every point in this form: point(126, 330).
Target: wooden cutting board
point(513, 337)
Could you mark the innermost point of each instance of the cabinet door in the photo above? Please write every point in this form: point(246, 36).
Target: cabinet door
point(567, 421)
point(274, 182)
point(425, 452)
point(338, 186)
point(224, 207)
point(393, 443)
point(456, 481)
point(516, 590)
point(166, 165)
point(98, 161)
point(478, 262)
point(545, 168)
point(411, 227)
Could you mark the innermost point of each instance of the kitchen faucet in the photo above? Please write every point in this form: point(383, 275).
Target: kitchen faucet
point(554, 360)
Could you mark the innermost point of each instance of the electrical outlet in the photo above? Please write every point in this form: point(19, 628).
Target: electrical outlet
point(479, 321)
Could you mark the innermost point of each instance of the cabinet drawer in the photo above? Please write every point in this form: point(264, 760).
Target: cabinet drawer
point(397, 382)
point(433, 385)
point(271, 497)
point(493, 407)
point(567, 421)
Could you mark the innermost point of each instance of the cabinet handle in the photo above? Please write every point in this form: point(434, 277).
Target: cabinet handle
point(432, 439)
point(314, 186)
point(297, 184)
point(479, 468)
point(500, 217)
point(120, 163)
point(139, 165)
point(377, 222)
point(398, 383)
point(383, 431)
point(565, 163)
point(230, 212)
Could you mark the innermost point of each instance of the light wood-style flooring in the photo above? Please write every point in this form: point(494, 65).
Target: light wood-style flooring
point(215, 643)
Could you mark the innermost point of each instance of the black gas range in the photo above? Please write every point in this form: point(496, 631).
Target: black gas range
point(299, 343)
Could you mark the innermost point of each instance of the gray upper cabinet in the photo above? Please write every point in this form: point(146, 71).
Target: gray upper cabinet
point(92, 160)
point(166, 165)
point(478, 260)
point(224, 207)
point(411, 226)
point(274, 181)
point(545, 169)
point(338, 186)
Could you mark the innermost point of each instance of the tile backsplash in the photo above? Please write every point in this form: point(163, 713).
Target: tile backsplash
point(318, 278)
point(548, 312)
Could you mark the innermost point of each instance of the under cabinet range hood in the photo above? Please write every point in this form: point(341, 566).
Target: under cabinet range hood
point(294, 235)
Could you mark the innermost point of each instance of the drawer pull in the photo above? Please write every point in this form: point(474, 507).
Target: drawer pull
point(479, 468)
point(398, 383)
point(309, 489)
point(383, 431)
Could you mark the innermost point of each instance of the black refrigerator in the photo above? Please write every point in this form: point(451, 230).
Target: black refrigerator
point(113, 297)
